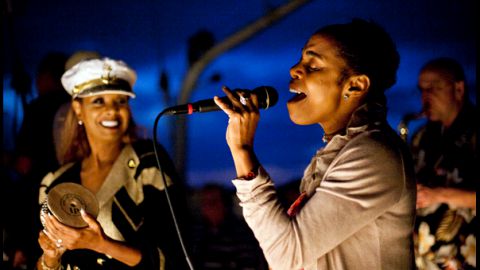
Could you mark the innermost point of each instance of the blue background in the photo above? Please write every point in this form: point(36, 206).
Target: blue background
point(151, 36)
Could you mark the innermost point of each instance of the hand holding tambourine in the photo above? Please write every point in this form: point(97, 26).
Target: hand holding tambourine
point(68, 216)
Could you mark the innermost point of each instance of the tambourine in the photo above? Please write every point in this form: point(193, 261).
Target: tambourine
point(65, 200)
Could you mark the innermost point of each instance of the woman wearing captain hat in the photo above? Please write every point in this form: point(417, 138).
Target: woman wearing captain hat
point(99, 151)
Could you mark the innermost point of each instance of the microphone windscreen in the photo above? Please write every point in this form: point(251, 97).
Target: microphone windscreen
point(267, 96)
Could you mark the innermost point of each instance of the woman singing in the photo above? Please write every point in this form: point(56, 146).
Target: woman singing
point(357, 204)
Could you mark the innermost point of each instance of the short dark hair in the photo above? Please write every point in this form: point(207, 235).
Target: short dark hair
point(367, 49)
point(447, 66)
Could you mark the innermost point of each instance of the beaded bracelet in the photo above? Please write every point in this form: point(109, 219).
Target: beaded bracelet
point(46, 267)
point(250, 175)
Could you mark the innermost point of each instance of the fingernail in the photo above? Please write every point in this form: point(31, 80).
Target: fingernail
point(82, 211)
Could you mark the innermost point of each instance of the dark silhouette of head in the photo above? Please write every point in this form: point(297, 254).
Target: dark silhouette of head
point(49, 73)
point(215, 204)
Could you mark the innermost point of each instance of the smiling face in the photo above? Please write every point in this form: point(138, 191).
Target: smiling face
point(106, 118)
point(316, 83)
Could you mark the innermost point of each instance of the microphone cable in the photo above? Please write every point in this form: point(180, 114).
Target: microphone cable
point(179, 233)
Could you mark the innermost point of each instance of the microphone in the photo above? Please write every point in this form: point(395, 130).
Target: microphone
point(267, 97)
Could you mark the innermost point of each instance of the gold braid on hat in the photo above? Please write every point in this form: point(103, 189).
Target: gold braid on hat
point(100, 84)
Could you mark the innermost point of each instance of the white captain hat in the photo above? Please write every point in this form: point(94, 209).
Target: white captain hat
point(99, 76)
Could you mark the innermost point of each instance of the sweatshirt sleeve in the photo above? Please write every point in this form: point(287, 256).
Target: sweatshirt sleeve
point(364, 180)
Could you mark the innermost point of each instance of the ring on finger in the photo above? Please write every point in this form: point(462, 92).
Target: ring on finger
point(59, 242)
point(243, 100)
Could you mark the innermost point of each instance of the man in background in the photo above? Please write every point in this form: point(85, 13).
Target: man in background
point(444, 153)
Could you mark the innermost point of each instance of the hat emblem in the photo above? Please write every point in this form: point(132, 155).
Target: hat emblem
point(106, 77)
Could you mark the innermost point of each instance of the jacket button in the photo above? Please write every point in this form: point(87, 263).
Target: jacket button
point(100, 261)
point(131, 164)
